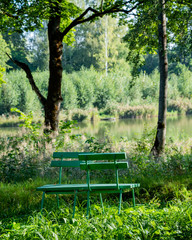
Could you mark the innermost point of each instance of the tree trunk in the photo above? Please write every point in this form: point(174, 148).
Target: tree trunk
point(52, 106)
point(159, 143)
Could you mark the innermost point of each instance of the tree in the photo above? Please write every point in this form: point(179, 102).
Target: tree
point(148, 34)
point(97, 44)
point(62, 17)
point(107, 46)
point(80, 53)
point(159, 143)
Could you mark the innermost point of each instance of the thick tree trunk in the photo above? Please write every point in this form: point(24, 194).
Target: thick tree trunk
point(159, 144)
point(52, 106)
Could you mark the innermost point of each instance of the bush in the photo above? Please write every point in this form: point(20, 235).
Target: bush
point(136, 111)
point(81, 115)
point(182, 106)
point(18, 93)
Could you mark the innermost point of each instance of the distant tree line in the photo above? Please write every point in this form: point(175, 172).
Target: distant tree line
point(89, 88)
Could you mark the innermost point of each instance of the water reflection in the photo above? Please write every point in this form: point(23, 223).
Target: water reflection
point(177, 128)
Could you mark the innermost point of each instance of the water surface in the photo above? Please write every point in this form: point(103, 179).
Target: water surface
point(177, 128)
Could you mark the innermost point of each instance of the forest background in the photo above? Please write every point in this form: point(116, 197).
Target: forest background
point(97, 72)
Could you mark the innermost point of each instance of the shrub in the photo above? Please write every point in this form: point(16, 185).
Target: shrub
point(136, 111)
point(182, 106)
point(81, 115)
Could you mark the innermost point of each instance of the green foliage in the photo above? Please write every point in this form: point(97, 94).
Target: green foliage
point(38, 53)
point(142, 37)
point(69, 93)
point(84, 90)
point(79, 115)
point(144, 222)
point(3, 57)
point(135, 111)
point(18, 48)
point(181, 106)
point(95, 145)
point(28, 124)
point(18, 93)
point(2, 70)
point(111, 94)
point(3, 50)
point(26, 156)
point(65, 129)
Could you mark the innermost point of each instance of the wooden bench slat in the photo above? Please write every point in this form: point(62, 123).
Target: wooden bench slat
point(63, 155)
point(101, 156)
point(103, 165)
point(65, 163)
point(72, 187)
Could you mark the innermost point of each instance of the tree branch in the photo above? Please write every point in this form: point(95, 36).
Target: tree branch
point(96, 14)
point(25, 67)
point(77, 20)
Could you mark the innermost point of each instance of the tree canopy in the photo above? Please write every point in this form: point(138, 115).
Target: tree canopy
point(142, 36)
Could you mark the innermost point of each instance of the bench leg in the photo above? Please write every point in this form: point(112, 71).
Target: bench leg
point(133, 194)
point(42, 201)
point(74, 204)
point(101, 202)
point(120, 199)
point(57, 200)
point(88, 203)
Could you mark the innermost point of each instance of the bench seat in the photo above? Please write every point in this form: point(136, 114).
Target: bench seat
point(80, 187)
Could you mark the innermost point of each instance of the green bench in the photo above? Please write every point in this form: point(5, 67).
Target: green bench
point(89, 162)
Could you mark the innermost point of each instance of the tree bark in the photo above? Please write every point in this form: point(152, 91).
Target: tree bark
point(52, 106)
point(159, 144)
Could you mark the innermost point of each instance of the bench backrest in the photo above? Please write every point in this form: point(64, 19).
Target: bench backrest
point(101, 161)
point(64, 161)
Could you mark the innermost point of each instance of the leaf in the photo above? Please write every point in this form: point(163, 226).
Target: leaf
point(40, 235)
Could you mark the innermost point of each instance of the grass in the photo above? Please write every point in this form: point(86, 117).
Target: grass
point(163, 212)
point(159, 202)
point(142, 222)
point(164, 198)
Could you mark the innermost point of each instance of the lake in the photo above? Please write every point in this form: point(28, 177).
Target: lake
point(177, 127)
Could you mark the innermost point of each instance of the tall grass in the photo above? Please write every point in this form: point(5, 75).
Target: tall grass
point(144, 222)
